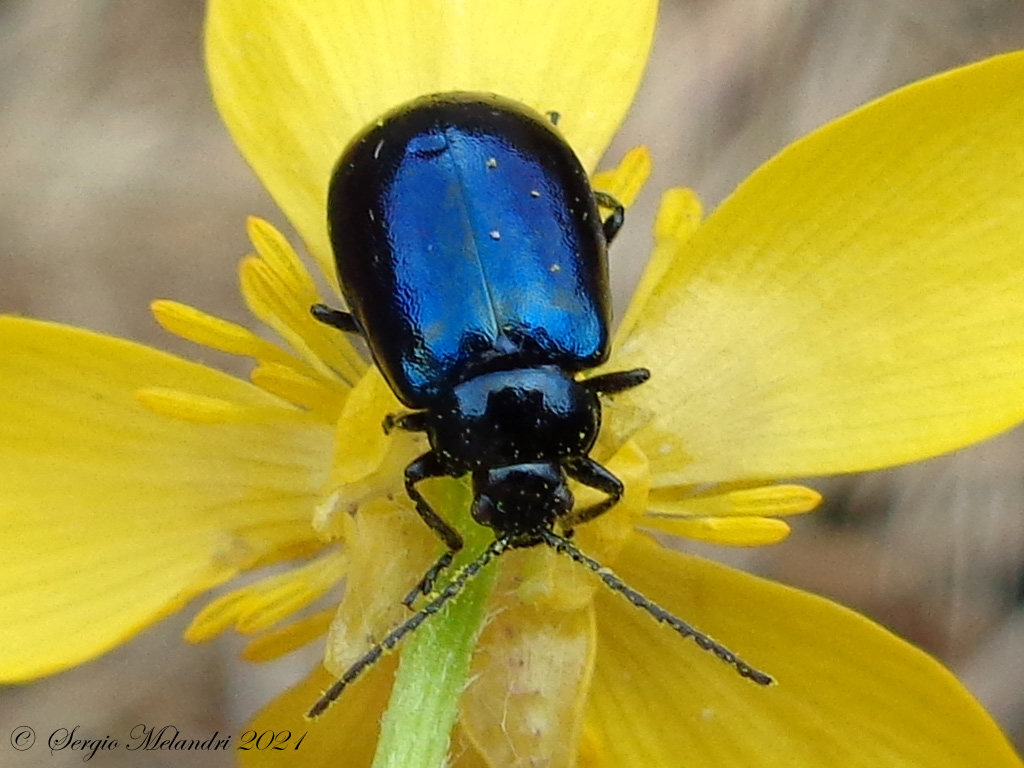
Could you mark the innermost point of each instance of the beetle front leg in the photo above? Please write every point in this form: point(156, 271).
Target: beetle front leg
point(587, 471)
point(426, 466)
point(617, 381)
point(409, 422)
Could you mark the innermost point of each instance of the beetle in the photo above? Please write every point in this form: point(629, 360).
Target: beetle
point(473, 259)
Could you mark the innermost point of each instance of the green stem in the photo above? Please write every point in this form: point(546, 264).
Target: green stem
point(416, 729)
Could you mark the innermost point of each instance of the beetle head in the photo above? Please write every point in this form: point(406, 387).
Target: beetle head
point(519, 500)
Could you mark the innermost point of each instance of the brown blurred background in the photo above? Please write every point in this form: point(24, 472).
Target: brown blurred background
point(119, 185)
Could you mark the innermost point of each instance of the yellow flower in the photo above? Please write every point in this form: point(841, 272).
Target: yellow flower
point(858, 302)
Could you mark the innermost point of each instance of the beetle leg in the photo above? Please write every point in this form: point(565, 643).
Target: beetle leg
point(617, 381)
point(343, 321)
point(613, 223)
point(410, 422)
point(426, 466)
point(587, 471)
point(553, 116)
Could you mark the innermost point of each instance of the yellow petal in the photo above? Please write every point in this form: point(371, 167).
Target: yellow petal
point(361, 440)
point(368, 463)
point(766, 500)
point(216, 333)
point(112, 515)
point(295, 81)
point(742, 517)
point(529, 683)
point(724, 531)
point(625, 181)
point(325, 398)
point(281, 640)
point(345, 735)
point(857, 302)
point(679, 215)
point(258, 606)
point(188, 406)
point(279, 291)
point(848, 692)
point(389, 549)
point(278, 372)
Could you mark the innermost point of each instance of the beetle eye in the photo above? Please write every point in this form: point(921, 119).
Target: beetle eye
point(562, 499)
point(483, 511)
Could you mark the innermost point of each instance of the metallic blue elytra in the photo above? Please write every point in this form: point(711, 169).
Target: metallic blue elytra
point(473, 259)
point(467, 238)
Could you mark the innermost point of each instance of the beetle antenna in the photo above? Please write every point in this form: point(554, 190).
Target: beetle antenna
point(565, 547)
point(394, 637)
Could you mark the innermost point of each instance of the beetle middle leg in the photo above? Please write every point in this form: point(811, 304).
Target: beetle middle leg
point(585, 470)
point(614, 222)
point(343, 321)
point(426, 466)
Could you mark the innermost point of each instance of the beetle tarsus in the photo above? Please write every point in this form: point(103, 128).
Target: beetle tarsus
point(617, 381)
point(614, 222)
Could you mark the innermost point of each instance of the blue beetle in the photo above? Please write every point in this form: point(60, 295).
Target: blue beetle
point(473, 260)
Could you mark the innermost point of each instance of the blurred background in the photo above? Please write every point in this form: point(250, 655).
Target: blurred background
point(119, 186)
